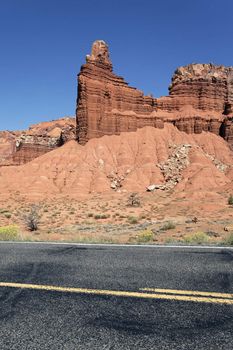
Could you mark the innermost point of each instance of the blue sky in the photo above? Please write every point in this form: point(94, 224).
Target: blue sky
point(44, 42)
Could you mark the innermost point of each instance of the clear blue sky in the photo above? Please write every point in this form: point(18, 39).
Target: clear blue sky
point(44, 42)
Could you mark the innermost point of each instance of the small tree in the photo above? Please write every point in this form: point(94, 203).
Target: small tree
point(32, 218)
point(134, 200)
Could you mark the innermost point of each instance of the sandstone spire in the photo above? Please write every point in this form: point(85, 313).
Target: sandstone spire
point(100, 54)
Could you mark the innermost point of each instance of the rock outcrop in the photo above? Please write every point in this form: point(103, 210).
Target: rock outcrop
point(126, 163)
point(200, 99)
point(19, 147)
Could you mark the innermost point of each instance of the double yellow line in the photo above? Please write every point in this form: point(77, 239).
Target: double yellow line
point(190, 295)
point(146, 293)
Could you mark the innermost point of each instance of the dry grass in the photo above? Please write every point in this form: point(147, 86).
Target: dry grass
point(196, 238)
point(229, 239)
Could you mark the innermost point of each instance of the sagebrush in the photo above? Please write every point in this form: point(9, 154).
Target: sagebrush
point(32, 218)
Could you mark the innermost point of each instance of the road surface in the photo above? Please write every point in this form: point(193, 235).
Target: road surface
point(80, 297)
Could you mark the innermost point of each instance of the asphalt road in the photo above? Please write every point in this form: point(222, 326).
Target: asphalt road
point(91, 316)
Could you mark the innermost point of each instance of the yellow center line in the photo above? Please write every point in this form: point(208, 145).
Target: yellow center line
point(188, 292)
point(117, 293)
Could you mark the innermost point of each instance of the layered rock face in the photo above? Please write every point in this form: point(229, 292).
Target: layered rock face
point(20, 147)
point(106, 104)
point(200, 99)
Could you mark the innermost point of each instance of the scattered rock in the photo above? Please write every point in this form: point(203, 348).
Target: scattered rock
point(174, 165)
point(151, 188)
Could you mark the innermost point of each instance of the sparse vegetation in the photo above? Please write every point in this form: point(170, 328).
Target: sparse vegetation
point(171, 240)
point(169, 225)
point(93, 239)
point(196, 238)
point(132, 219)
point(32, 218)
point(134, 200)
point(229, 239)
point(230, 200)
point(101, 216)
point(4, 211)
point(122, 224)
point(145, 236)
point(9, 233)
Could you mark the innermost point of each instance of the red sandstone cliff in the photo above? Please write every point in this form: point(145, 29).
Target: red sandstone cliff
point(200, 99)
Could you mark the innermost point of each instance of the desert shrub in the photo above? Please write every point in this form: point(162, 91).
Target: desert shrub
point(101, 216)
point(90, 215)
point(229, 239)
point(4, 211)
point(197, 238)
point(9, 233)
point(230, 200)
point(97, 216)
point(134, 200)
point(171, 240)
point(170, 225)
point(31, 219)
point(132, 219)
point(145, 236)
point(7, 215)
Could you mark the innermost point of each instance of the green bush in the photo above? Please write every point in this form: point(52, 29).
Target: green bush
point(9, 233)
point(132, 220)
point(230, 200)
point(168, 226)
point(101, 216)
point(145, 236)
point(229, 239)
point(196, 238)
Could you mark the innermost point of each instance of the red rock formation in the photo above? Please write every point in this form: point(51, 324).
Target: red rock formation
point(106, 104)
point(200, 99)
point(20, 147)
point(128, 162)
point(7, 146)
